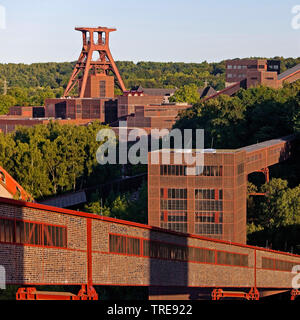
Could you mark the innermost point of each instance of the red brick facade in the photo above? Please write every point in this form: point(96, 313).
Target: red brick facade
point(211, 203)
point(227, 264)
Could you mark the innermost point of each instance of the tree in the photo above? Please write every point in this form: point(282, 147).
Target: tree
point(282, 206)
point(188, 93)
point(6, 101)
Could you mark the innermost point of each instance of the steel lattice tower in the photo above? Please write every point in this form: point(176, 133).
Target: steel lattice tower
point(94, 40)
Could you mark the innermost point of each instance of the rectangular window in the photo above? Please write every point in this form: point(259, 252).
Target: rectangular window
point(170, 251)
point(21, 232)
point(124, 245)
point(275, 264)
point(172, 170)
point(102, 88)
point(241, 168)
point(232, 259)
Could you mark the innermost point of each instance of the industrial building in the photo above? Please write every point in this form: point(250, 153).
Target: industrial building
point(211, 200)
point(195, 240)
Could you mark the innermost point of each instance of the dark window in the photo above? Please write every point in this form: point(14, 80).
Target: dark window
point(124, 245)
point(232, 259)
point(161, 250)
point(2, 177)
point(78, 108)
point(20, 232)
point(241, 168)
point(102, 88)
point(172, 170)
point(275, 264)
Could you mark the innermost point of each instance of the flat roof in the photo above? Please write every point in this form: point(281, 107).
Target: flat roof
point(266, 144)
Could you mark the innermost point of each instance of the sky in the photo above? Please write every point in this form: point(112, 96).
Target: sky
point(149, 30)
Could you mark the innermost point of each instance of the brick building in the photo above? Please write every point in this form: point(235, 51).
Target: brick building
point(208, 200)
point(256, 71)
point(42, 245)
point(161, 116)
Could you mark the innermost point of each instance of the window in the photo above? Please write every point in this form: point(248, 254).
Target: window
point(124, 245)
point(241, 168)
point(208, 194)
point(173, 193)
point(2, 177)
point(209, 205)
point(121, 244)
point(232, 259)
point(78, 108)
point(172, 170)
point(102, 88)
point(173, 204)
point(21, 232)
point(275, 264)
point(208, 229)
point(229, 66)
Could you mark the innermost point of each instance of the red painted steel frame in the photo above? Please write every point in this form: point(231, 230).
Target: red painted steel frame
point(218, 294)
point(85, 63)
point(294, 294)
point(86, 293)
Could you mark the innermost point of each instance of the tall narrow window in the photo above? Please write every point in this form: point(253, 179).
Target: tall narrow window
point(102, 88)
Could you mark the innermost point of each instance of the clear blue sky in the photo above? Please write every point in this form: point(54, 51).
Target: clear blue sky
point(150, 30)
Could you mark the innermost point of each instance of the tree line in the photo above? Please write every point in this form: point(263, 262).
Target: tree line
point(52, 159)
point(30, 85)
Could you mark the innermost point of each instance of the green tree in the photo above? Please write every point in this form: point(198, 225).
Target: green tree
point(188, 93)
point(6, 101)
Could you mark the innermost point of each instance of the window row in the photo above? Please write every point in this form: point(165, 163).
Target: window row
point(178, 170)
point(275, 264)
point(161, 250)
point(173, 193)
point(208, 205)
point(208, 194)
point(178, 227)
point(20, 232)
point(209, 217)
point(232, 259)
point(239, 75)
point(173, 204)
point(124, 245)
point(274, 151)
point(174, 216)
point(208, 229)
point(236, 67)
point(254, 158)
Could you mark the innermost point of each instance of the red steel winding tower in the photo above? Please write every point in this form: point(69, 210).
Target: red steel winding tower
point(92, 75)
